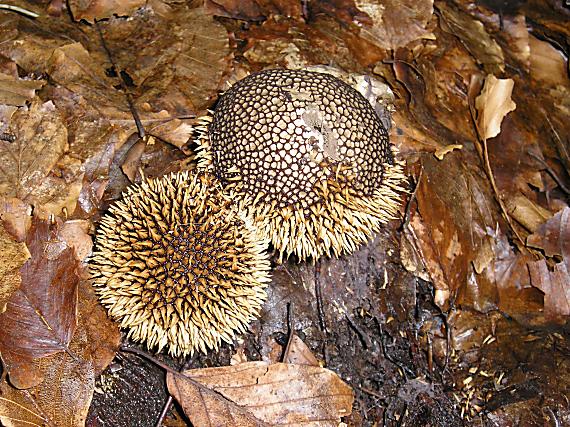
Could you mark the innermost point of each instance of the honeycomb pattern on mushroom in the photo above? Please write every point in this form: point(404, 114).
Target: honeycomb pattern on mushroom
point(310, 153)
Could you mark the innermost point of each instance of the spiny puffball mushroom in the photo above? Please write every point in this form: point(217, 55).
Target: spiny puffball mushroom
point(178, 265)
point(308, 157)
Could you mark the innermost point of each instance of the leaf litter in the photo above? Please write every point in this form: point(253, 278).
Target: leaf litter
point(483, 237)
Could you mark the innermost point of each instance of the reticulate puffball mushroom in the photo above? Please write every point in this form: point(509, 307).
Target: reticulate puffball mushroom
point(308, 158)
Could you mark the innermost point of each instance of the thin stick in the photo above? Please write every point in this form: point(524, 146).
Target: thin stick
point(18, 9)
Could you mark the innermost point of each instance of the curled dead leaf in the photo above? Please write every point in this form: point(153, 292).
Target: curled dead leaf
point(493, 104)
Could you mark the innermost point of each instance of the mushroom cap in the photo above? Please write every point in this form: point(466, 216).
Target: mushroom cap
point(178, 265)
point(312, 155)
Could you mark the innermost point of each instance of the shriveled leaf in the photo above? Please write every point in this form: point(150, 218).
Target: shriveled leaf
point(99, 9)
point(12, 257)
point(493, 104)
point(554, 236)
point(395, 23)
point(555, 284)
point(14, 91)
point(441, 152)
point(256, 393)
point(40, 316)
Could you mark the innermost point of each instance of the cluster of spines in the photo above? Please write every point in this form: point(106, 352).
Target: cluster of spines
point(160, 307)
point(338, 223)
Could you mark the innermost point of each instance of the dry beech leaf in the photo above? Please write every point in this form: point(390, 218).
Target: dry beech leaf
point(14, 91)
point(262, 394)
point(526, 212)
point(64, 395)
point(298, 353)
point(12, 256)
point(474, 37)
point(40, 140)
point(556, 287)
point(40, 316)
point(554, 236)
point(441, 152)
point(17, 217)
point(99, 9)
point(182, 69)
point(395, 23)
point(34, 167)
point(493, 104)
point(66, 383)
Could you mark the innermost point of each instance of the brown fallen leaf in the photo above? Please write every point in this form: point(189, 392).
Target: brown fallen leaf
point(181, 70)
point(553, 236)
point(64, 395)
point(555, 284)
point(493, 104)
point(99, 9)
point(40, 316)
point(14, 91)
point(547, 64)
point(40, 140)
point(75, 234)
point(473, 35)
point(298, 353)
point(34, 167)
point(246, 10)
point(261, 394)
point(395, 23)
point(12, 257)
point(527, 213)
point(17, 217)
point(456, 210)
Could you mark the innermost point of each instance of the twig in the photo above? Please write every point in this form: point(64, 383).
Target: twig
point(364, 338)
point(18, 9)
point(290, 331)
point(371, 392)
point(405, 370)
point(482, 149)
point(165, 410)
point(134, 112)
point(319, 296)
point(411, 199)
point(150, 358)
